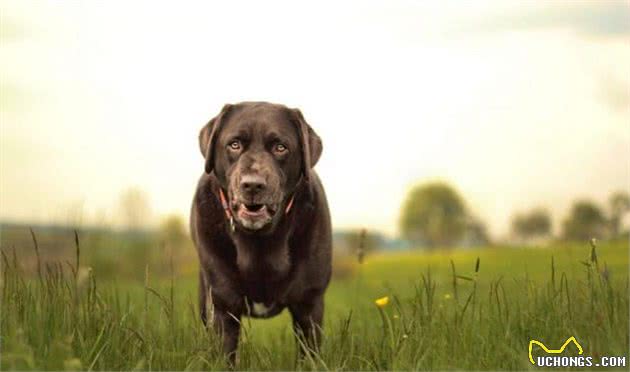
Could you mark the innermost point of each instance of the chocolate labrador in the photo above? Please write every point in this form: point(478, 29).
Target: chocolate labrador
point(260, 222)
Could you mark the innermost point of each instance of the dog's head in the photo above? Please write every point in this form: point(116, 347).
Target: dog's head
point(259, 152)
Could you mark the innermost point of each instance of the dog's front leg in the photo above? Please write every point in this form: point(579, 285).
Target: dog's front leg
point(228, 327)
point(307, 322)
point(203, 298)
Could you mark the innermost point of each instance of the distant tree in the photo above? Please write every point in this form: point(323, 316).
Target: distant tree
point(433, 214)
point(172, 231)
point(619, 204)
point(135, 208)
point(536, 223)
point(585, 221)
point(475, 232)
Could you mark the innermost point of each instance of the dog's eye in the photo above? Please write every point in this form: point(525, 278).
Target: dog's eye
point(280, 148)
point(235, 145)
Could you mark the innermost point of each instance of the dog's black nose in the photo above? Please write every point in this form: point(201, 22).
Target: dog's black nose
point(252, 184)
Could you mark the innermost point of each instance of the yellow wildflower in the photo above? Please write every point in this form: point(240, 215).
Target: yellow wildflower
point(381, 302)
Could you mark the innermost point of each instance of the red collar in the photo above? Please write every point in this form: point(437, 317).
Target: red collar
point(228, 213)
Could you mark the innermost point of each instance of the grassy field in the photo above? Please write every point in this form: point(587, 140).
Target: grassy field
point(473, 309)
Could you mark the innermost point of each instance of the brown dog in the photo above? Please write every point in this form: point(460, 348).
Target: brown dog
point(260, 221)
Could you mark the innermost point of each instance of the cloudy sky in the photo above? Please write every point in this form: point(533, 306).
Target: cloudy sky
point(516, 104)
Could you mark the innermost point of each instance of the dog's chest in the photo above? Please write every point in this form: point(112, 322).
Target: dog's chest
point(263, 275)
point(263, 265)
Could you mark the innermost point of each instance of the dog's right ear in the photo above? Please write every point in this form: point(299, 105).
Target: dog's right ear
point(208, 136)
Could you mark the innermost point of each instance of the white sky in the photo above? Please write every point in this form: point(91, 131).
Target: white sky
point(516, 104)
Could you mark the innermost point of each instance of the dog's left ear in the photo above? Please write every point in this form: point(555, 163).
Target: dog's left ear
point(310, 142)
point(208, 136)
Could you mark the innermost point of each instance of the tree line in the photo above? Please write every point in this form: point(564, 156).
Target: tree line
point(586, 220)
point(436, 215)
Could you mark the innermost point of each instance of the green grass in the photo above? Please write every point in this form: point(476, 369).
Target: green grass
point(442, 314)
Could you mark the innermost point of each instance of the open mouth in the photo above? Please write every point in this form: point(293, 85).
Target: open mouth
point(254, 208)
point(253, 215)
